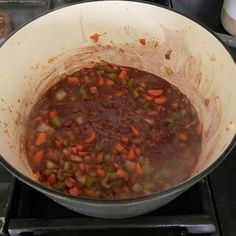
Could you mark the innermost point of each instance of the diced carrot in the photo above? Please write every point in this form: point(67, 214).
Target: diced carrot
point(87, 168)
point(108, 96)
point(41, 139)
point(57, 144)
point(123, 74)
point(149, 98)
point(52, 114)
point(125, 139)
point(90, 137)
point(74, 150)
point(110, 82)
point(142, 41)
point(138, 169)
point(93, 90)
point(80, 147)
point(121, 173)
point(100, 81)
point(82, 154)
point(95, 37)
point(152, 113)
point(74, 192)
point(155, 92)
point(131, 155)
point(119, 148)
point(183, 137)
point(70, 182)
point(160, 100)
point(38, 157)
point(174, 105)
point(119, 93)
point(73, 80)
point(52, 179)
point(134, 131)
point(100, 172)
point(99, 158)
point(199, 128)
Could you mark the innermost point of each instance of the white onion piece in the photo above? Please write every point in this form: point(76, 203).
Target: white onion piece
point(60, 94)
point(81, 179)
point(149, 121)
point(79, 120)
point(129, 165)
point(50, 164)
point(137, 188)
point(75, 158)
point(42, 127)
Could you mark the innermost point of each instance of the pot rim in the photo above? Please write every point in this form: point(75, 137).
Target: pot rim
point(172, 190)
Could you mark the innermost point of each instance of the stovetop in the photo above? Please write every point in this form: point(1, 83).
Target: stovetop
point(208, 208)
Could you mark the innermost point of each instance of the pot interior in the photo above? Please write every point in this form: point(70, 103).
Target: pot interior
point(35, 56)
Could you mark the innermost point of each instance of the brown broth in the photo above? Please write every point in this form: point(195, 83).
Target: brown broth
point(113, 132)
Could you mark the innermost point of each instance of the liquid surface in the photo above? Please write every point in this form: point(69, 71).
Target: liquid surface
point(112, 132)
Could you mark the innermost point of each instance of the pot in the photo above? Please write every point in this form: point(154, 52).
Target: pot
point(33, 58)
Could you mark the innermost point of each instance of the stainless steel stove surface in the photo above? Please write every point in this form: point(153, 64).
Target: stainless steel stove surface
point(208, 208)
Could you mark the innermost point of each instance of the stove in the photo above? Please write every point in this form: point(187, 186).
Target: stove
point(207, 209)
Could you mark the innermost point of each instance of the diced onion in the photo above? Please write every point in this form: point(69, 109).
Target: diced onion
point(75, 158)
point(60, 95)
point(137, 188)
point(44, 128)
point(79, 120)
point(50, 164)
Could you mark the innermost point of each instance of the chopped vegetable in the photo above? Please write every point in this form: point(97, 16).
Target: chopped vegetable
point(134, 131)
point(99, 158)
point(155, 92)
point(121, 173)
point(38, 157)
point(60, 95)
point(107, 157)
point(100, 172)
point(95, 37)
point(160, 100)
point(56, 121)
point(41, 139)
point(142, 41)
point(73, 80)
point(183, 137)
point(123, 74)
point(90, 137)
point(119, 148)
point(74, 191)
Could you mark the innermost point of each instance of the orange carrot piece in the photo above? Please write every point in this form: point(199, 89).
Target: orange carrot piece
point(100, 81)
point(41, 139)
point(93, 90)
point(121, 173)
point(123, 74)
point(183, 137)
point(74, 191)
point(38, 157)
point(119, 93)
point(57, 144)
point(100, 172)
point(199, 128)
point(99, 158)
point(149, 98)
point(52, 114)
point(119, 148)
point(110, 82)
point(125, 139)
point(131, 155)
point(108, 96)
point(142, 41)
point(138, 169)
point(74, 150)
point(152, 113)
point(134, 131)
point(80, 147)
point(73, 80)
point(160, 100)
point(155, 92)
point(90, 137)
point(174, 105)
point(95, 37)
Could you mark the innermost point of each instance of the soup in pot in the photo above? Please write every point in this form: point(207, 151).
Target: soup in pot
point(112, 132)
